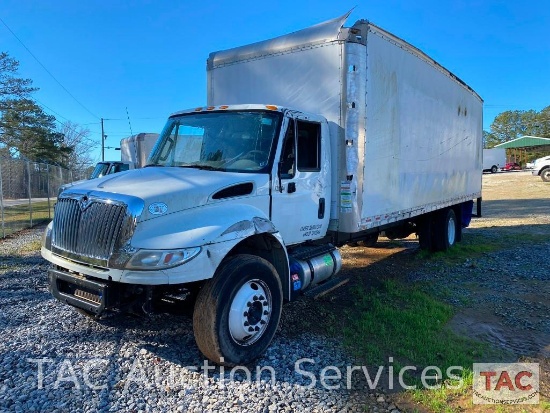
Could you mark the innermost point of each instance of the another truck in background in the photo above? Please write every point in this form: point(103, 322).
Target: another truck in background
point(493, 159)
point(309, 141)
point(134, 151)
point(541, 167)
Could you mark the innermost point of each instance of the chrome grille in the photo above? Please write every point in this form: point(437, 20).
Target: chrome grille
point(90, 230)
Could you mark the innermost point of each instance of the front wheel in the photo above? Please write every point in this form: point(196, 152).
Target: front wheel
point(494, 169)
point(545, 175)
point(237, 312)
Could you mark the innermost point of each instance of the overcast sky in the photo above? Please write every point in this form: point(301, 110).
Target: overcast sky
point(147, 59)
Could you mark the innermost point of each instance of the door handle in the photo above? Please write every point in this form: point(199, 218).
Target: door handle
point(291, 187)
point(321, 210)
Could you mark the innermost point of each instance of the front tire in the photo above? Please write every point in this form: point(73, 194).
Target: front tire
point(545, 175)
point(237, 312)
point(494, 169)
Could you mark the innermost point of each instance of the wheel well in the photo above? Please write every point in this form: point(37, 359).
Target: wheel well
point(267, 247)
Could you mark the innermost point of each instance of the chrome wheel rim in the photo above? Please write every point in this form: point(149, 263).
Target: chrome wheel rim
point(250, 312)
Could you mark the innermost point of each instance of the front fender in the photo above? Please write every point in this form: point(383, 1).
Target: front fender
point(201, 226)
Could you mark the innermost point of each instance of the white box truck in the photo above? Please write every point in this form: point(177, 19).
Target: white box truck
point(309, 141)
point(134, 151)
point(493, 159)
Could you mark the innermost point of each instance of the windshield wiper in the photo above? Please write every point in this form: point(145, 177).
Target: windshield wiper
point(202, 167)
point(152, 164)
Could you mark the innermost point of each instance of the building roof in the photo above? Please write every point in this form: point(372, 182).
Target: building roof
point(524, 142)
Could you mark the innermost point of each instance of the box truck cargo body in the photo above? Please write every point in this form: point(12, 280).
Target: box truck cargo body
point(405, 132)
point(493, 159)
point(309, 141)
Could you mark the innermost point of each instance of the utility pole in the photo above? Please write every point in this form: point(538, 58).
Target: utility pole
point(102, 141)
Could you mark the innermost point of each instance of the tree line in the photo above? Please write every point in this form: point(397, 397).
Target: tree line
point(513, 124)
point(27, 132)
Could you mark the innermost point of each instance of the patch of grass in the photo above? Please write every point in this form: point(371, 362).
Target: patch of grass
point(439, 400)
point(18, 217)
point(403, 322)
point(463, 251)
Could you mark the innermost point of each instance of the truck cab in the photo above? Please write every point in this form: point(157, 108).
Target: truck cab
point(110, 167)
point(228, 192)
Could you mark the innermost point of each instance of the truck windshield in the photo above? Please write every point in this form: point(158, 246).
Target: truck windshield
point(240, 141)
point(101, 169)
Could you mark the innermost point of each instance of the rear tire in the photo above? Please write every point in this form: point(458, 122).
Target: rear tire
point(237, 312)
point(545, 175)
point(424, 232)
point(446, 230)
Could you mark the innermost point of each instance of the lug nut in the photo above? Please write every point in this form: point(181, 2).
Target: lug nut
point(245, 314)
point(255, 298)
point(262, 322)
point(262, 297)
point(251, 329)
point(248, 304)
point(257, 328)
point(246, 323)
point(264, 303)
point(266, 312)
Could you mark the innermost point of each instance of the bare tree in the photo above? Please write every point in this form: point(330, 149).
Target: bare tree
point(78, 139)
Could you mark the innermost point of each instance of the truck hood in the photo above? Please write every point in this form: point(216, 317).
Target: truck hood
point(168, 190)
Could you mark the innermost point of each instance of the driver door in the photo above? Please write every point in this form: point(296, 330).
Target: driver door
point(301, 197)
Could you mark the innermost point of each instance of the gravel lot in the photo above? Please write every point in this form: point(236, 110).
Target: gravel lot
point(54, 359)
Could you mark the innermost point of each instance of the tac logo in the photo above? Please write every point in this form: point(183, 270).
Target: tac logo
point(501, 383)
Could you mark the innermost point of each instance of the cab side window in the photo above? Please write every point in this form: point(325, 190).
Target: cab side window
point(288, 154)
point(309, 146)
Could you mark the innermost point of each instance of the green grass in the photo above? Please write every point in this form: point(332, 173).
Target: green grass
point(472, 246)
point(405, 323)
point(401, 321)
point(439, 400)
point(18, 217)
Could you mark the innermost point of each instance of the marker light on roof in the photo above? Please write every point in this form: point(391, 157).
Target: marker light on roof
point(271, 107)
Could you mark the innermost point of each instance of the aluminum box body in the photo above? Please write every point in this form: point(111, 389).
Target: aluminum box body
point(406, 134)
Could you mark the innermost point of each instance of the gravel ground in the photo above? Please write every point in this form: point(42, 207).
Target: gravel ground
point(54, 359)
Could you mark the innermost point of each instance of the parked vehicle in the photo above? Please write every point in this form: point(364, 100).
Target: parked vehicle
point(511, 166)
point(243, 206)
point(493, 159)
point(541, 167)
point(134, 151)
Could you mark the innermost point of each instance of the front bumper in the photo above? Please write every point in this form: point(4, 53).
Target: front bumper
point(79, 292)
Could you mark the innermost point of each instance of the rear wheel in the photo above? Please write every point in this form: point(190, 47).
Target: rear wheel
point(446, 230)
point(425, 236)
point(237, 312)
point(545, 175)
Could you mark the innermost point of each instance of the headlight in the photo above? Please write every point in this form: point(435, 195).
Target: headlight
point(161, 259)
point(47, 237)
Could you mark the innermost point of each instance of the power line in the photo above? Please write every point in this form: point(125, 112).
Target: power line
point(47, 71)
point(129, 124)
